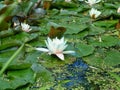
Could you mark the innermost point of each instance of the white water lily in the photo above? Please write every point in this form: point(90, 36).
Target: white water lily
point(56, 47)
point(91, 2)
point(25, 27)
point(67, 0)
point(80, 0)
point(94, 13)
point(118, 10)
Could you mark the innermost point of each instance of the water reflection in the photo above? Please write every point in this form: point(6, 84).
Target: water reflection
point(74, 75)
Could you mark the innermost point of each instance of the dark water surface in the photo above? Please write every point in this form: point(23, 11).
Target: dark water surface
point(74, 75)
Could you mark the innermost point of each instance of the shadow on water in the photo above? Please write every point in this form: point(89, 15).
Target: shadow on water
point(74, 76)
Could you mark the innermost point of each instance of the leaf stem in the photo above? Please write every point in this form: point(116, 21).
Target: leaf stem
point(11, 59)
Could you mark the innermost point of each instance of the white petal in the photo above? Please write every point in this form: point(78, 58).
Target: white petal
point(49, 44)
point(42, 49)
point(86, 1)
point(62, 47)
point(62, 39)
point(60, 55)
point(98, 13)
point(68, 52)
point(48, 41)
point(118, 10)
point(98, 1)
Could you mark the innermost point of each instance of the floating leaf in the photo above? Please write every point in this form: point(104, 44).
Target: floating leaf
point(95, 60)
point(47, 4)
point(56, 32)
point(80, 35)
point(16, 79)
point(108, 12)
point(96, 30)
point(42, 73)
point(51, 61)
point(112, 58)
point(75, 28)
point(17, 40)
point(17, 63)
point(110, 5)
point(61, 4)
point(6, 33)
point(106, 41)
point(106, 23)
point(3, 26)
point(118, 26)
point(66, 12)
point(32, 57)
point(84, 49)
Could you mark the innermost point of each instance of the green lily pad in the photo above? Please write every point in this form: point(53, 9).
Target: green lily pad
point(74, 28)
point(17, 63)
point(106, 23)
point(110, 5)
point(108, 12)
point(42, 73)
point(4, 25)
point(63, 4)
point(52, 61)
point(16, 79)
point(66, 12)
point(32, 57)
point(80, 35)
point(94, 30)
point(6, 33)
point(17, 40)
point(84, 49)
point(94, 60)
point(112, 58)
point(106, 41)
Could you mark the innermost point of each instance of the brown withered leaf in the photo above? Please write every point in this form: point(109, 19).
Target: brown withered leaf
point(7, 2)
point(118, 28)
point(56, 32)
point(118, 25)
point(46, 4)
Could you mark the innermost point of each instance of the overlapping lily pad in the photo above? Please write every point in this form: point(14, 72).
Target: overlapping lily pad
point(84, 49)
point(112, 58)
point(16, 79)
point(16, 40)
point(106, 41)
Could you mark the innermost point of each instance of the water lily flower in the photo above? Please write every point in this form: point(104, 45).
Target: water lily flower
point(56, 47)
point(67, 0)
point(80, 0)
point(94, 13)
point(91, 2)
point(118, 10)
point(25, 27)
